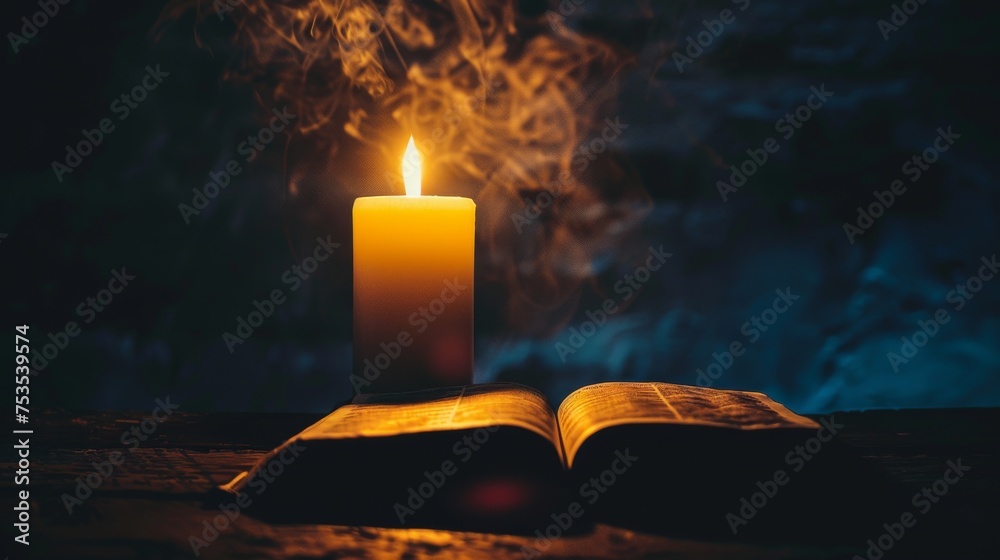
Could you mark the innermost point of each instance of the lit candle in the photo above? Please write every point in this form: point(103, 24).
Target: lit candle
point(413, 285)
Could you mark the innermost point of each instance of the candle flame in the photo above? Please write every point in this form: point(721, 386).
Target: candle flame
point(504, 99)
point(412, 169)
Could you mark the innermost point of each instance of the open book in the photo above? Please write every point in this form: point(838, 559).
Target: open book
point(496, 455)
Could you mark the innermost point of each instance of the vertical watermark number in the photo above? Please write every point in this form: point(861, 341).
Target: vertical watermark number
point(22, 445)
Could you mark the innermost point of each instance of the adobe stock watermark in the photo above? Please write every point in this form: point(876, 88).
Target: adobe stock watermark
point(588, 150)
point(293, 277)
point(546, 197)
point(30, 26)
point(132, 439)
point(596, 318)
point(421, 320)
point(766, 490)
point(923, 501)
point(249, 149)
point(752, 330)
point(223, 7)
point(959, 297)
point(592, 490)
point(418, 496)
point(122, 107)
point(230, 512)
point(583, 155)
point(566, 8)
point(787, 126)
point(86, 310)
point(899, 17)
point(913, 168)
point(696, 44)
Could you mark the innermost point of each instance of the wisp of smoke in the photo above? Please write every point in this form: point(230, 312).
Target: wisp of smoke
point(497, 101)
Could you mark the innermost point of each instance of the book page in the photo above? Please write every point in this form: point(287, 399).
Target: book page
point(595, 407)
point(452, 408)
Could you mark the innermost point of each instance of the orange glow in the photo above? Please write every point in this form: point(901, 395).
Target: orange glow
point(499, 495)
point(412, 168)
point(508, 107)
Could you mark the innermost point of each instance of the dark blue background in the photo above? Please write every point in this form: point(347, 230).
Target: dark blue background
point(783, 229)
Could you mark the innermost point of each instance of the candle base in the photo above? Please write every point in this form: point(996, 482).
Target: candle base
point(444, 359)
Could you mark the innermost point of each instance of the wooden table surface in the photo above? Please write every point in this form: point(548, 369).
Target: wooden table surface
point(152, 503)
